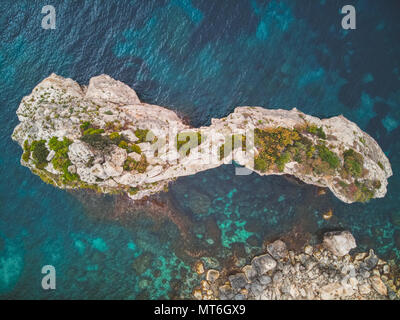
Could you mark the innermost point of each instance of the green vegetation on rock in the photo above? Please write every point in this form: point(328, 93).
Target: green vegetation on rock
point(360, 191)
point(260, 164)
point(133, 190)
point(39, 153)
point(97, 140)
point(133, 165)
point(61, 160)
point(364, 192)
point(27, 151)
point(353, 163)
point(271, 144)
point(189, 139)
point(143, 135)
point(93, 136)
point(231, 143)
point(85, 125)
point(318, 131)
point(282, 160)
point(91, 131)
point(135, 148)
point(129, 147)
point(328, 156)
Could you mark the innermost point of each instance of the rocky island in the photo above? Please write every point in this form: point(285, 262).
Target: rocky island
point(102, 137)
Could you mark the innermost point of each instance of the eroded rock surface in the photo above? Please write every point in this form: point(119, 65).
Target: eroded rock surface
point(314, 273)
point(339, 243)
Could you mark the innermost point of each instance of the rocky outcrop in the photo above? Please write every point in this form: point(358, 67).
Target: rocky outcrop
point(314, 273)
point(104, 138)
point(339, 243)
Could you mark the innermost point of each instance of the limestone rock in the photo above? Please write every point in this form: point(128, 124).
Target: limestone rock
point(104, 88)
point(212, 275)
point(58, 107)
point(250, 272)
point(263, 264)
point(51, 155)
point(277, 249)
point(364, 289)
point(371, 261)
point(79, 153)
point(135, 156)
point(378, 285)
point(112, 170)
point(72, 169)
point(226, 292)
point(335, 291)
point(238, 281)
point(264, 280)
point(199, 267)
point(197, 294)
point(98, 171)
point(308, 250)
point(339, 243)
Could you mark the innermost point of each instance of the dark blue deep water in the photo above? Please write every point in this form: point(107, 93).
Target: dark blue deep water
point(201, 58)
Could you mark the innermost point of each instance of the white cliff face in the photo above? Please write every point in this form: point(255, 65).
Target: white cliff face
point(94, 121)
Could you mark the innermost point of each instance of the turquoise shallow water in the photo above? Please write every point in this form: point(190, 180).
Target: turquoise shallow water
point(202, 59)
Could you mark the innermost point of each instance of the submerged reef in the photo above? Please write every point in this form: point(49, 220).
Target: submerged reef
point(102, 137)
point(325, 271)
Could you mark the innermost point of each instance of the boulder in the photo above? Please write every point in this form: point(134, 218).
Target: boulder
point(72, 169)
point(112, 170)
point(277, 249)
point(226, 292)
point(238, 281)
point(135, 156)
point(117, 156)
point(128, 179)
point(98, 171)
point(371, 261)
point(103, 88)
point(197, 294)
point(51, 155)
point(250, 272)
point(263, 264)
point(212, 275)
point(335, 291)
point(264, 280)
point(256, 288)
point(85, 175)
point(378, 285)
point(79, 153)
point(364, 289)
point(339, 243)
point(199, 267)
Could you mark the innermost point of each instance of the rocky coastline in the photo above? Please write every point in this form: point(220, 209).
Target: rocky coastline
point(327, 271)
point(102, 137)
